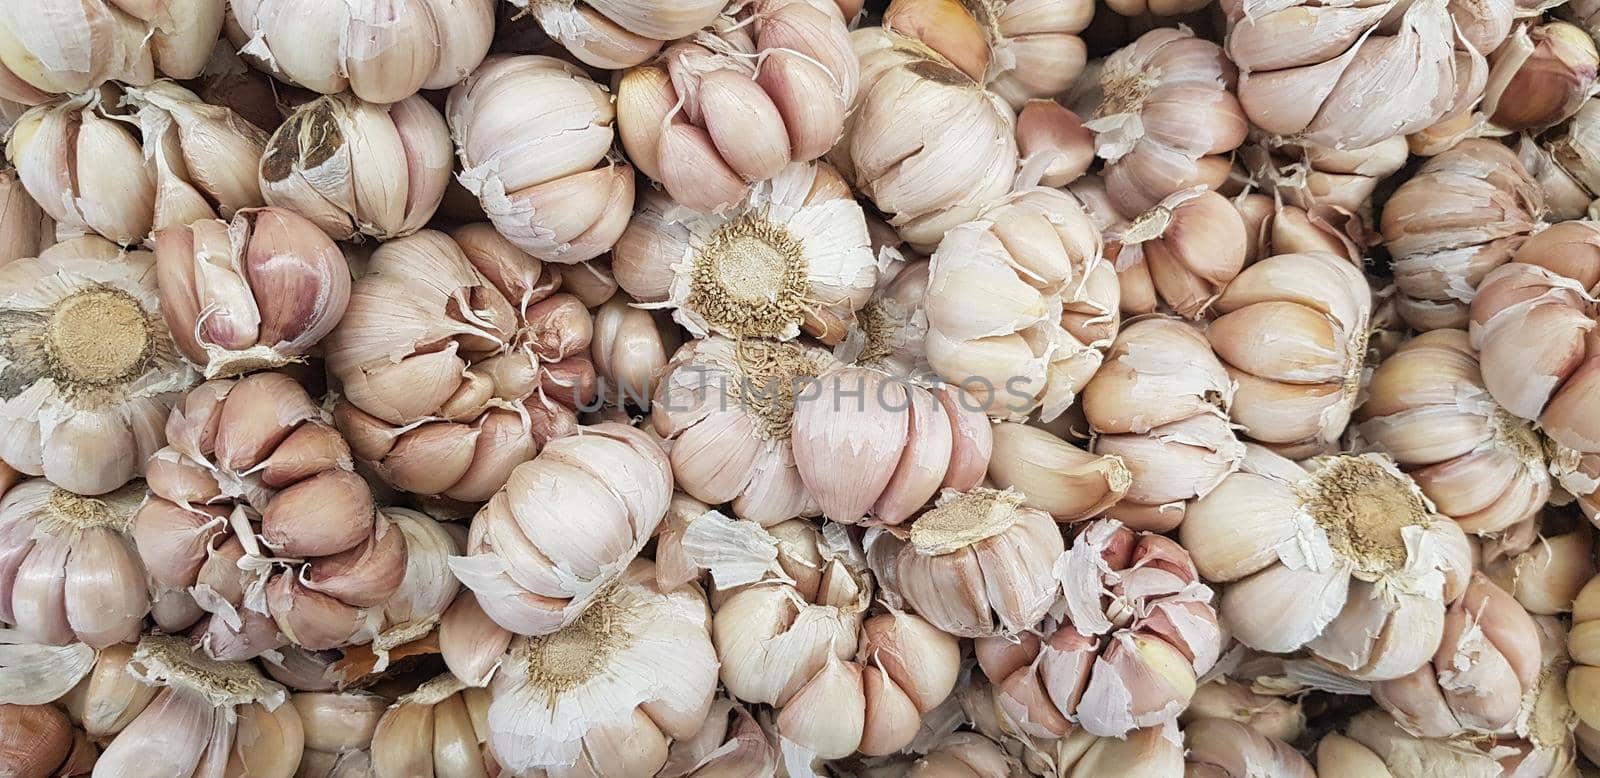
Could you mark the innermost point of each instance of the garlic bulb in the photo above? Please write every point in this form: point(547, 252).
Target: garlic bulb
point(1312, 176)
point(1053, 475)
point(1351, 533)
point(338, 732)
point(441, 729)
point(1548, 576)
point(615, 34)
point(1463, 214)
point(68, 570)
point(631, 348)
point(84, 168)
point(540, 178)
point(889, 331)
point(794, 255)
point(977, 564)
point(1182, 252)
point(1153, 752)
point(1540, 76)
point(1124, 648)
point(1583, 642)
point(1019, 49)
point(1219, 748)
point(707, 122)
point(36, 741)
point(257, 293)
point(530, 572)
point(383, 51)
point(358, 168)
point(70, 46)
point(608, 693)
point(730, 744)
point(258, 451)
point(1427, 407)
point(1019, 304)
point(1277, 717)
point(92, 369)
point(204, 157)
point(1164, 117)
point(25, 230)
point(1053, 143)
point(427, 588)
point(939, 169)
point(1160, 404)
point(451, 383)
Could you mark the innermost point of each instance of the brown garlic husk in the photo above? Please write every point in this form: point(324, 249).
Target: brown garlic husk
point(37, 742)
point(1540, 76)
point(1182, 253)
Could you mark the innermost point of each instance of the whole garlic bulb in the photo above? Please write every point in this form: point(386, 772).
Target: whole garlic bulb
point(25, 230)
point(546, 181)
point(1292, 331)
point(531, 573)
point(441, 728)
point(1463, 214)
point(1427, 407)
point(982, 535)
point(731, 743)
point(359, 168)
point(939, 170)
point(1020, 304)
point(93, 370)
point(258, 451)
point(1540, 76)
point(708, 123)
point(608, 693)
point(1183, 252)
point(1351, 533)
point(68, 569)
point(1164, 117)
point(1132, 635)
point(382, 51)
point(1053, 475)
point(793, 256)
point(71, 46)
point(84, 168)
point(204, 157)
point(1160, 404)
point(256, 293)
point(450, 383)
point(615, 34)
point(1019, 49)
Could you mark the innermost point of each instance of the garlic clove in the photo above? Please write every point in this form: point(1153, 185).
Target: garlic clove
point(852, 414)
point(828, 715)
point(470, 642)
point(923, 461)
point(325, 514)
point(309, 618)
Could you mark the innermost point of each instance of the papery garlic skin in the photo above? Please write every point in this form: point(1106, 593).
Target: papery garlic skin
point(1568, 163)
point(1053, 143)
point(449, 384)
point(530, 574)
point(615, 34)
point(1353, 534)
point(1018, 50)
point(545, 181)
point(428, 587)
point(731, 743)
point(441, 728)
point(1540, 76)
point(1020, 303)
point(93, 367)
point(35, 741)
point(204, 157)
point(1219, 748)
point(383, 52)
point(25, 230)
point(1183, 253)
point(256, 293)
point(84, 168)
point(888, 333)
point(794, 255)
point(1278, 717)
point(1463, 214)
point(1316, 177)
point(338, 730)
point(71, 46)
point(1547, 578)
point(638, 669)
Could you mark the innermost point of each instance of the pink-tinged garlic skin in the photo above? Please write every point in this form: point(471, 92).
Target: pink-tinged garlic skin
point(1219, 748)
point(257, 511)
point(546, 181)
point(1321, 178)
point(382, 51)
point(25, 230)
point(440, 728)
point(616, 34)
point(1181, 253)
point(1427, 407)
point(1548, 576)
point(450, 383)
point(1541, 76)
point(1053, 475)
point(204, 157)
point(1160, 403)
point(84, 168)
point(1132, 636)
point(631, 347)
point(1053, 143)
point(1164, 117)
point(1018, 50)
point(1277, 717)
point(257, 293)
point(531, 572)
point(1462, 215)
point(731, 743)
point(72, 46)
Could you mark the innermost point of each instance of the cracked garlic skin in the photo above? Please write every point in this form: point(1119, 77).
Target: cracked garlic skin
point(71, 46)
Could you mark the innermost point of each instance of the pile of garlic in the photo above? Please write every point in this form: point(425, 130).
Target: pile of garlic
point(799, 388)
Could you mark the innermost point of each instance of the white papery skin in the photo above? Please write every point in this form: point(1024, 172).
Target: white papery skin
point(69, 46)
point(615, 34)
point(1219, 748)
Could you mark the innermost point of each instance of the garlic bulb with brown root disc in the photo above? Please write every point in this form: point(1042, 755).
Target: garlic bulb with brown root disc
point(1160, 404)
point(39, 742)
point(1053, 475)
point(257, 293)
point(440, 729)
point(204, 157)
point(358, 168)
point(383, 51)
point(531, 573)
point(25, 230)
point(458, 359)
point(1019, 304)
point(1463, 214)
point(257, 512)
point(1292, 331)
point(888, 333)
point(615, 34)
point(977, 564)
point(793, 256)
point(1164, 115)
point(737, 103)
point(85, 168)
point(1350, 541)
point(607, 694)
point(70, 46)
point(1019, 49)
point(68, 568)
point(1427, 407)
point(547, 181)
point(1182, 252)
point(91, 370)
point(1122, 650)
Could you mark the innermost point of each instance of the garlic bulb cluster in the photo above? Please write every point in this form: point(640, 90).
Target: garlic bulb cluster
point(85, 168)
point(1019, 49)
point(540, 178)
point(70, 46)
point(357, 168)
point(616, 34)
point(1463, 214)
point(1181, 253)
point(451, 383)
point(91, 368)
point(382, 52)
point(203, 157)
point(439, 729)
